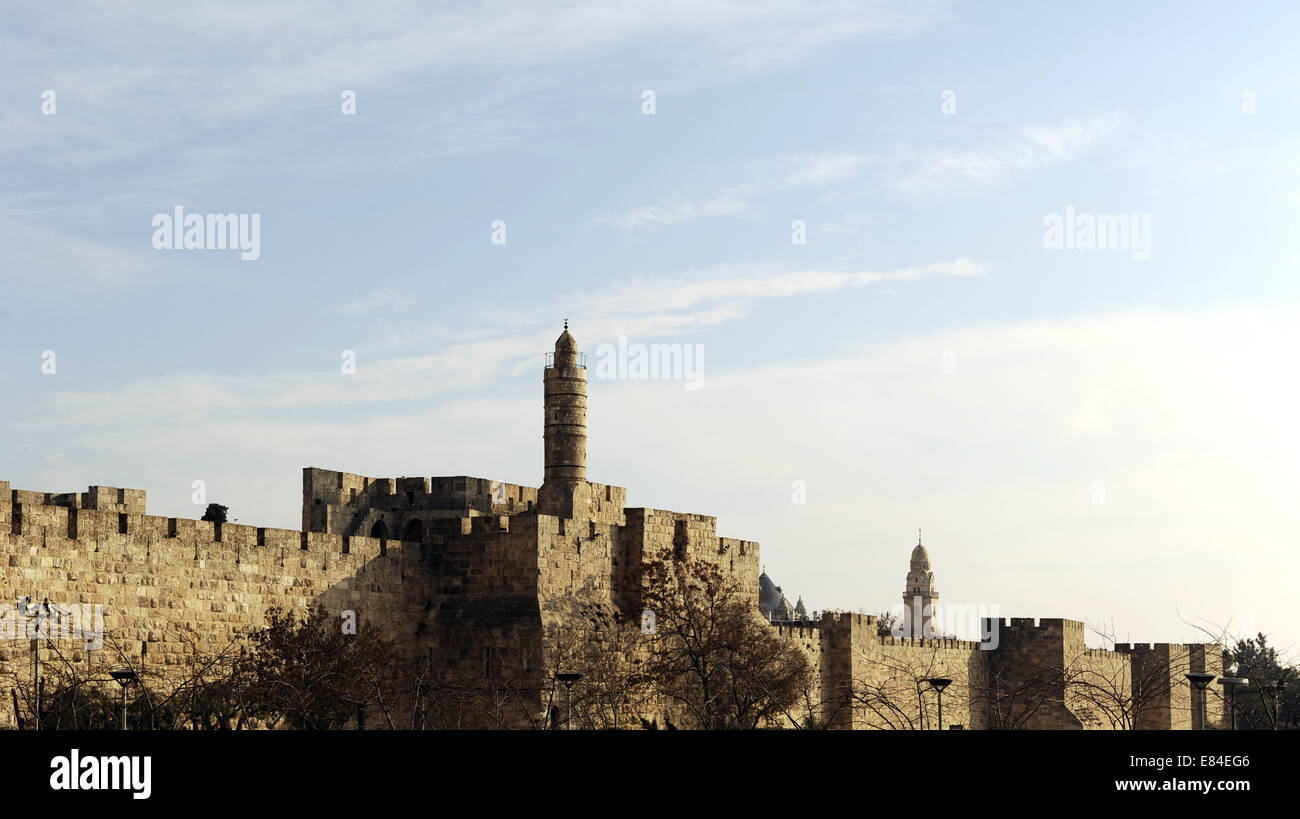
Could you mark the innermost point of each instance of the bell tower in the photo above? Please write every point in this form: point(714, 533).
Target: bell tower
point(920, 595)
point(564, 481)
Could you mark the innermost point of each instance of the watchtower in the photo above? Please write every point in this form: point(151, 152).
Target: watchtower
point(564, 482)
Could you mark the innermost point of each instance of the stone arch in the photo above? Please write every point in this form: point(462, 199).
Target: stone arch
point(380, 530)
point(413, 531)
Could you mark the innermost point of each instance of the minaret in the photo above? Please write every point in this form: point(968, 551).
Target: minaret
point(920, 594)
point(565, 434)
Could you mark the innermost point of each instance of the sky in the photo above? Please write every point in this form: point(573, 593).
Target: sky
point(875, 225)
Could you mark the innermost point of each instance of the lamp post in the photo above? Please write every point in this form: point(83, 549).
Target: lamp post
point(1201, 681)
point(38, 688)
point(126, 678)
point(1230, 685)
point(938, 684)
point(568, 679)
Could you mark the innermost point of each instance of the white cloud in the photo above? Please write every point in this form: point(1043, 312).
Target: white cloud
point(679, 304)
point(744, 281)
point(377, 301)
point(769, 175)
point(652, 216)
point(814, 170)
point(37, 255)
point(935, 172)
point(292, 56)
point(1038, 146)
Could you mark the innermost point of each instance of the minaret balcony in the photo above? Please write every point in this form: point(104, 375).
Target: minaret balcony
point(582, 361)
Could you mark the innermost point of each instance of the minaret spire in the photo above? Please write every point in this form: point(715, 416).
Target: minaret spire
point(565, 431)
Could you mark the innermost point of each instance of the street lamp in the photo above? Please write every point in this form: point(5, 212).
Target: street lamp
point(938, 684)
point(38, 684)
point(126, 678)
point(1230, 685)
point(1201, 681)
point(568, 679)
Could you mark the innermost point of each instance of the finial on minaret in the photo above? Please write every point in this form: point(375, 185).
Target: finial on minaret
point(918, 536)
point(566, 324)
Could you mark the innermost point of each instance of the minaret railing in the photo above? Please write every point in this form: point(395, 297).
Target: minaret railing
point(582, 361)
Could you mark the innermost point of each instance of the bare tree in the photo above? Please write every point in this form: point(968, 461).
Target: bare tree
point(712, 657)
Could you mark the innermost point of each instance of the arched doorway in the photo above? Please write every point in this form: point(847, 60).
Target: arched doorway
point(413, 532)
point(380, 531)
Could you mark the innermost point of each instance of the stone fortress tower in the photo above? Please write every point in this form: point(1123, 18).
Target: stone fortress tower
point(920, 594)
point(564, 478)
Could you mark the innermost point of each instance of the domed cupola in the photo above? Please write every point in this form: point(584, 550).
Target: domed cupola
point(768, 593)
point(769, 597)
point(920, 558)
point(920, 578)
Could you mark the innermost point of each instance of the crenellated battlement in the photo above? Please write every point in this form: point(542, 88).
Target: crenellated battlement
point(1165, 648)
point(848, 619)
point(1100, 653)
point(330, 497)
point(346, 503)
point(929, 643)
point(1041, 625)
point(865, 627)
point(744, 548)
point(98, 498)
point(797, 630)
point(98, 520)
point(690, 534)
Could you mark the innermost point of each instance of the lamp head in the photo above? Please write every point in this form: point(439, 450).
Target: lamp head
point(124, 676)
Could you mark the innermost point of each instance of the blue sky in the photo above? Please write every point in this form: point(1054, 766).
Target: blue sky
point(921, 361)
